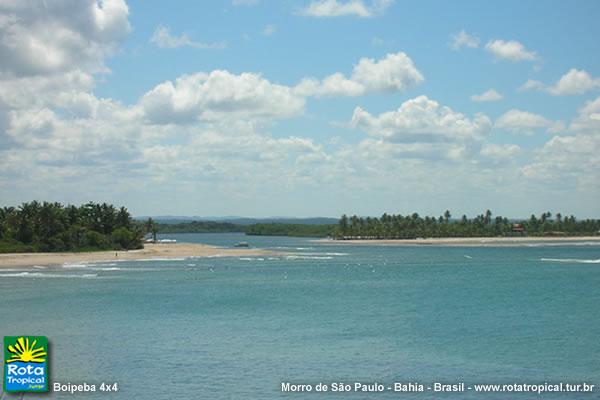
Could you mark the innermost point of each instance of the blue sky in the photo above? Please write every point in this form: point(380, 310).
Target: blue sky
point(317, 107)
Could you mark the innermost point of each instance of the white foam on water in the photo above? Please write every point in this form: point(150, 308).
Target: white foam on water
point(570, 260)
point(562, 244)
point(102, 265)
point(298, 257)
point(162, 259)
point(48, 275)
point(68, 265)
point(324, 254)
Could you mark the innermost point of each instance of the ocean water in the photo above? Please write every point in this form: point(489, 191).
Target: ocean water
point(237, 327)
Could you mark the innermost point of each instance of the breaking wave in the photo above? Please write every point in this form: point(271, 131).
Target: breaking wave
point(571, 260)
point(48, 275)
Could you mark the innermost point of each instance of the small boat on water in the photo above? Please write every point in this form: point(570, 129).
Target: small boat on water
point(241, 244)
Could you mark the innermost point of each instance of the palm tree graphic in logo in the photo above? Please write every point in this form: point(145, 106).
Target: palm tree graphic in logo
point(26, 352)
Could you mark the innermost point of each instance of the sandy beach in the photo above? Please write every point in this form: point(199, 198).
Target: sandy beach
point(470, 242)
point(150, 251)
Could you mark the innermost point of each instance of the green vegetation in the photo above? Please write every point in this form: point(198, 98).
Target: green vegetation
point(266, 229)
point(35, 227)
point(199, 227)
point(300, 230)
point(414, 226)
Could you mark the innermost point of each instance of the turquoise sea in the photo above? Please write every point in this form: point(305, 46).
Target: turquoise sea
point(237, 327)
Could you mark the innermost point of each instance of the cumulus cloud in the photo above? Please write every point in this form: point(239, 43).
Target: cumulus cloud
point(488, 95)
point(219, 94)
point(62, 90)
point(463, 39)
point(421, 120)
point(54, 154)
point(510, 50)
point(41, 38)
point(588, 118)
point(573, 82)
point(571, 161)
point(206, 137)
point(531, 84)
point(395, 72)
point(334, 8)
point(568, 161)
point(523, 122)
point(496, 153)
point(162, 38)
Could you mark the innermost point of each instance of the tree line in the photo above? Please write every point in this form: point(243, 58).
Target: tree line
point(198, 227)
point(44, 226)
point(258, 229)
point(390, 226)
point(298, 230)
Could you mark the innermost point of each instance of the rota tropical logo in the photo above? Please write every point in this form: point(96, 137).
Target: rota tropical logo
point(25, 364)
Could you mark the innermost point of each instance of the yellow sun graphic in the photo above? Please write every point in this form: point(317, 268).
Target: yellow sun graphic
point(23, 351)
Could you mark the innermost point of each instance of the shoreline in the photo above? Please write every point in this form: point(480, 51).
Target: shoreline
point(468, 241)
point(150, 251)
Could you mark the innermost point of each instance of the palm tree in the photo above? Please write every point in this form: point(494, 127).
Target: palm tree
point(343, 225)
point(447, 216)
point(151, 227)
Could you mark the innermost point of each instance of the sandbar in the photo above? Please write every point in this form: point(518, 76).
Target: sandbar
point(150, 251)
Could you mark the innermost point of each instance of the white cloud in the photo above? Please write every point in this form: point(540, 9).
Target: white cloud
point(523, 122)
point(574, 82)
point(219, 95)
point(421, 120)
point(269, 30)
point(531, 84)
point(162, 38)
point(510, 50)
point(395, 72)
point(205, 138)
point(572, 162)
point(567, 162)
point(54, 154)
point(498, 153)
point(488, 95)
point(39, 91)
point(588, 118)
point(571, 83)
point(463, 39)
point(39, 38)
point(334, 8)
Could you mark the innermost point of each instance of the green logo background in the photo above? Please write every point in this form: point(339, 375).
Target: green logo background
point(41, 342)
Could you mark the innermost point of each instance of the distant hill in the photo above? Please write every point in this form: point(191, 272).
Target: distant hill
point(175, 219)
point(198, 227)
point(283, 220)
